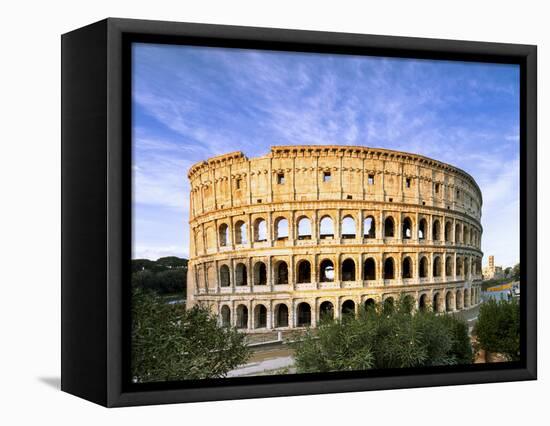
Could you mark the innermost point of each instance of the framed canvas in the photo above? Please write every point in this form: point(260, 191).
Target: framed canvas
point(256, 212)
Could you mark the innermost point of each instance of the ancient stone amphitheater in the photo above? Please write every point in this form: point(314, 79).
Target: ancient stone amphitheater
point(279, 240)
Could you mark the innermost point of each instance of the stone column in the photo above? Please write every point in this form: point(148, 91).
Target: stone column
point(250, 323)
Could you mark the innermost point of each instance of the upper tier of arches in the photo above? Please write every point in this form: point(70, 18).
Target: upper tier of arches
point(363, 226)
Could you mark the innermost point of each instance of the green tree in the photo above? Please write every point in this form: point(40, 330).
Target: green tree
point(516, 272)
point(161, 277)
point(172, 262)
point(497, 327)
point(384, 337)
point(171, 343)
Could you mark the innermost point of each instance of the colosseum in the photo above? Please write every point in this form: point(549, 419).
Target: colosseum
point(279, 240)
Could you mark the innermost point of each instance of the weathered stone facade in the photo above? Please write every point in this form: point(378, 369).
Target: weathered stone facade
point(276, 240)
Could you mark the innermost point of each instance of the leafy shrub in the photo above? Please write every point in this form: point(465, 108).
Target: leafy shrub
point(171, 343)
point(497, 327)
point(384, 338)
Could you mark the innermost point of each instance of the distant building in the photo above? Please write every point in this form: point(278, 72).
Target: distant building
point(491, 271)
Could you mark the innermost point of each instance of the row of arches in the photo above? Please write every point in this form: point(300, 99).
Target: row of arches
point(440, 301)
point(441, 266)
point(348, 230)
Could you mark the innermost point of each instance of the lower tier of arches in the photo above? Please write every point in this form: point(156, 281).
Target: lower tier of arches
point(265, 314)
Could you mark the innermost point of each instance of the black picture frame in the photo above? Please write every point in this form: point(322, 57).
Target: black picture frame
point(96, 210)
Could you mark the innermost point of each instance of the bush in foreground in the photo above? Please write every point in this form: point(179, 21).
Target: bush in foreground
point(383, 338)
point(497, 327)
point(171, 343)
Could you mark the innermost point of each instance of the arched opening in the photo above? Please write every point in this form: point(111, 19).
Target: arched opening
point(281, 272)
point(370, 304)
point(448, 266)
point(459, 300)
point(348, 270)
point(326, 228)
point(422, 226)
point(225, 277)
point(389, 269)
point(388, 305)
point(240, 232)
point(466, 268)
point(240, 274)
point(406, 270)
point(326, 271)
point(348, 307)
point(423, 267)
point(369, 230)
point(304, 272)
point(389, 227)
point(260, 230)
point(458, 233)
point(466, 235)
point(407, 229)
point(438, 302)
point(304, 315)
point(223, 233)
point(437, 267)
point(448, 231)
point(436, 235)
point(466, 298)
point(449, 301)
point(281, 228)
point(423, 303)
point(281, 315)
point(326, 310)
point(226, 316)
point(260, 273)
point(242, 316)
point(348, 227)
point(369, 269)
point(304, 228)
point(260, 316)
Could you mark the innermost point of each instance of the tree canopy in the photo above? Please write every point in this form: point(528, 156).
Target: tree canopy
point(516, 272)
point(167, 275)
point(171, 343)
point(498, 326)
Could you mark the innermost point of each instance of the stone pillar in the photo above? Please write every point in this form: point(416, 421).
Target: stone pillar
point(291, 280)
point(269, 273)
point(313, 306)
point(315, 227)
point(269, 316)
point(250, 322)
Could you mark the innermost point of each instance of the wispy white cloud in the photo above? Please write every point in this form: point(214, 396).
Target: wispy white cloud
point(193, 103)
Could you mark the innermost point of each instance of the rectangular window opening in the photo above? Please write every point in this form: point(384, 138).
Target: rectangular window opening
point(280, 178)
point(371, 180)
point(326, 176)
point(408, 182)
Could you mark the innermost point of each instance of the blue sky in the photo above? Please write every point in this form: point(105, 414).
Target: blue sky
point(191, 103)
